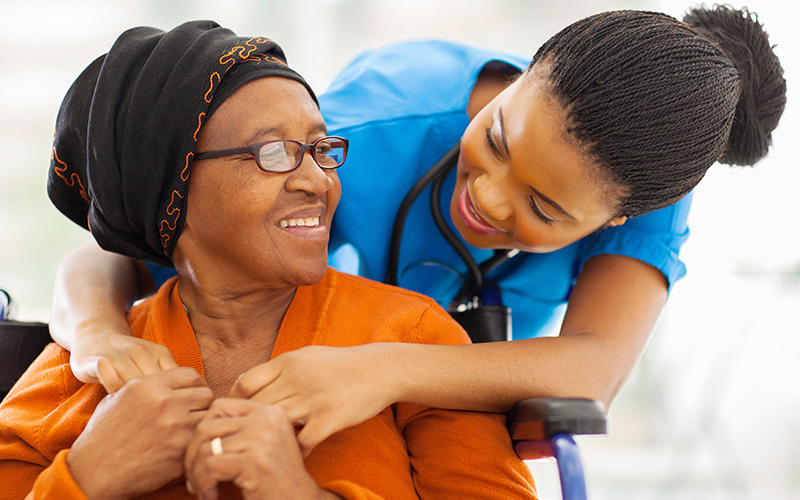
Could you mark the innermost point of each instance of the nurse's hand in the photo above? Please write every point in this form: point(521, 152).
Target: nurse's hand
point(325, 389)
point(114, 358)
point(255, 449)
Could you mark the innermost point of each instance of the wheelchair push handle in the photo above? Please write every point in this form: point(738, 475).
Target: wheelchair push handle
point(542, 418)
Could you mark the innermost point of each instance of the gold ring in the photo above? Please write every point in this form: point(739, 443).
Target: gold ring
point(216, 447)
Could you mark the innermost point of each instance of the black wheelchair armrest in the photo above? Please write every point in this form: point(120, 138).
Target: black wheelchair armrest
point(543, 428)
point(20, 344)
point(540, 418)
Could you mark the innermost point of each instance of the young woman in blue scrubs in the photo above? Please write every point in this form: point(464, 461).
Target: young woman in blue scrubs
point(584, 161)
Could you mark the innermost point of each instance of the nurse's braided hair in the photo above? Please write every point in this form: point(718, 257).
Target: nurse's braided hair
point(655, 102)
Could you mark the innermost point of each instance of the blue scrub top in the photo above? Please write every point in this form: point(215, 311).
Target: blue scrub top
point(403, 106)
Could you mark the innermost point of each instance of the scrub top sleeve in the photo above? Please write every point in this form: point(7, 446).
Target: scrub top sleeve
point(654, 238)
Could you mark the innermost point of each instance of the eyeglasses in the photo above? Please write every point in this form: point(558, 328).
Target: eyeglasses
point(286, 155)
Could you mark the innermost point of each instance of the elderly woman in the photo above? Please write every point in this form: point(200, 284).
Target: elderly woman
point(189, 148)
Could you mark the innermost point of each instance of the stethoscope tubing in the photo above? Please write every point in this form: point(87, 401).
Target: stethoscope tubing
point(436, 177)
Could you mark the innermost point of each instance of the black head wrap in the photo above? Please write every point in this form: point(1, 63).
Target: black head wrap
point(126, 130)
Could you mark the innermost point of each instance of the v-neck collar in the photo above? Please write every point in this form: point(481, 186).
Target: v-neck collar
point(169, 324)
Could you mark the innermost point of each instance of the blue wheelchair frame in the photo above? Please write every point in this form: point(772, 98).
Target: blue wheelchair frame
point(544, 427)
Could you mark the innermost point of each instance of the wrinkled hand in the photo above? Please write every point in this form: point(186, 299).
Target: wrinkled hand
point(326, 389)
point(114, 359)
point(260, 455)
point(136, 440)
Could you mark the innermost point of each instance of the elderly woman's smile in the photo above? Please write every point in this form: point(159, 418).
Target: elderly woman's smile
point(301, 222)
point(282, 220)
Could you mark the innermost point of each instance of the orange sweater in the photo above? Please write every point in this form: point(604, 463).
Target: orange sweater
point(407, 451)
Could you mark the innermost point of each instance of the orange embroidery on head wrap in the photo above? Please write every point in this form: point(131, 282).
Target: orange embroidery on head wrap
point(185, 171)
point(171, 209)
point(237, 54)
point(229, 58)
point(70, 180)
point(273, 59)
point(199, 125)
point(211, 84)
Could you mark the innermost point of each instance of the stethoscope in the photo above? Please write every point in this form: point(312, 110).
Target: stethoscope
point(475, 293)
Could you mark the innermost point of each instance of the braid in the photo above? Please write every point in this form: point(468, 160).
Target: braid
point(742, 37)
point(650, 98)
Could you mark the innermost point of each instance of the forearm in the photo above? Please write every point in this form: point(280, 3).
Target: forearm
point(93, 289)
point(611, 312)
point(494, 376)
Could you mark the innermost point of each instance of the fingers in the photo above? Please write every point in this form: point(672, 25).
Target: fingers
point(198, 399)
point(312, 434)
point(107, 375)
point(146, 358)
point(201, 462)
point(240, 441)
point(180, 378)
point(167, 362)
point(216, 422)
point(176, 392)
point(116, 367)
point(254, 380)
point(230, 407)
point(208, 429)
point(87, 371)
point(213, 470)
point(231, 419)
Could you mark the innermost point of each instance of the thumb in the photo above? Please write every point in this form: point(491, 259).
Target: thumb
point(312, 435)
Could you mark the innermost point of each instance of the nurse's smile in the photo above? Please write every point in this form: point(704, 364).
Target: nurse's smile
point(471, 217)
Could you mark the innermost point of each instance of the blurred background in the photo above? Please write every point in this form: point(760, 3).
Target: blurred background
point(712, 408)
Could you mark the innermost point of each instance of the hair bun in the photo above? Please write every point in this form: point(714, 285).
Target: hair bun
point(763, 94)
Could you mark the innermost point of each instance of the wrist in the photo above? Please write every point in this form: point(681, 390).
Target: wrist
point(91, 328)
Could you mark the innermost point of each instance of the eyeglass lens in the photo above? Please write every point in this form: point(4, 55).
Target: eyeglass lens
point(282, 156)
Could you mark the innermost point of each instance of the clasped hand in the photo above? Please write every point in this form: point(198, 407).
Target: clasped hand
point(159, 427)
point(326, 389)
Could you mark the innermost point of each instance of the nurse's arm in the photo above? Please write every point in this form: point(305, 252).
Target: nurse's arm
point(93, 290)
point(610, 315)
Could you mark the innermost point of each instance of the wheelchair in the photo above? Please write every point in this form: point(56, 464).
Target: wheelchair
point(539, 428)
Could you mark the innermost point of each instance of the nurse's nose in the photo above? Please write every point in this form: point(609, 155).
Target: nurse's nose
point(492, 198)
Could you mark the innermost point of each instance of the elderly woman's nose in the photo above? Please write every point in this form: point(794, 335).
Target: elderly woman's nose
point(309, 177)
point(491, 197)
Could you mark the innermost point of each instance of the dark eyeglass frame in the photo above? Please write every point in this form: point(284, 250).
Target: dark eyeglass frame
point(255, 151)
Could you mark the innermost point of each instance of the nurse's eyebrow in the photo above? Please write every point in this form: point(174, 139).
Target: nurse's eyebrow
point(503, 131)
point(551, 203)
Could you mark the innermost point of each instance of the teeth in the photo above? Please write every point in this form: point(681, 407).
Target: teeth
point(307, 222)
